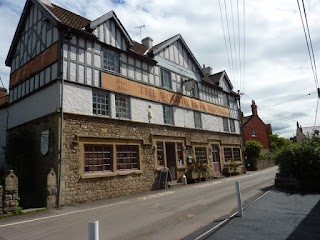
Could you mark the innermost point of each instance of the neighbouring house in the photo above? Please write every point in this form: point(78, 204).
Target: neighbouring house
point(108, 113)
point(4, 98)
point(255, 129)
point(303, 133)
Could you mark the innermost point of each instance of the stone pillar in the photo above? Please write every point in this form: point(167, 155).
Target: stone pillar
point(10, 193)
point(51, 189)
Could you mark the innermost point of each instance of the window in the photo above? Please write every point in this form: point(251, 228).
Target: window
point(111, 61)
point(253, 132)
point(197, 119)
point(168, 115)
point(180, 154)
point(225, 125)
point(97, 158)
point(226, 101)
point(127, 157)
point(232, 126)
point(160, 154)
point(236, 154)
point(166, 79)
point(227, 154)
point(201, 154)
point(100, 103)
point(195, 91)
point(122, 106)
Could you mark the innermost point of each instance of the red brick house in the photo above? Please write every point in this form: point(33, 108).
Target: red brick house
point(255, 129)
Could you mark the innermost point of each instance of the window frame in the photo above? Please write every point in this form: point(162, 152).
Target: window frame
point(232, 125)
point(197, 116)
point(164, 82)
point(127, 107)
point(197, 149)
point(232, 153)
point(165, 109)
point(88, 141)
point(115, 57)
point(253, 132)
point(95, 109)
point(225, 123)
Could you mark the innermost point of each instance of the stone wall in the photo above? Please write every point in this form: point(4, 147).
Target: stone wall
point(76, 189)
point(265, 163)
point(9, 198)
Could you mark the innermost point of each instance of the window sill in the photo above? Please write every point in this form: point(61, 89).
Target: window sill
point(124, 173)
point(159, 168)
point(181, 167)
point(110, 174)
point(98, 175)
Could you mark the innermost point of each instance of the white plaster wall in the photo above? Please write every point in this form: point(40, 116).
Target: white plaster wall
point(212, 123)
point(77, 99)
point(37, 105)
point(183, 117)
point(156, 111)
point(3, 127)
point(139, 110)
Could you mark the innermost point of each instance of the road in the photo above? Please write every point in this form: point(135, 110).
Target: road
point(165, 214)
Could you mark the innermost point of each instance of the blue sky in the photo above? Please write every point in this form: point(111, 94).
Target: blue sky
point(277, 66)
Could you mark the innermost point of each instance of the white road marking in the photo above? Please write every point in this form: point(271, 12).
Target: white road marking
point(63, 214)
point(157, 195)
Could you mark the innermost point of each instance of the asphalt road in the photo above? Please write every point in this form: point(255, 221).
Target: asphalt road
point(166, 214)
point(277, 215)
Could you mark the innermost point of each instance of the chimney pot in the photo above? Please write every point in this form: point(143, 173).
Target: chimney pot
point(254, 108)
point(148, 41)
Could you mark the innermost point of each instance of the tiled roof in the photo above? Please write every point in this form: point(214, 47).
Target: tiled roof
point(68, 18)
point(138, 48)
point(245, 120)
point(309, 131)
point(216, 77)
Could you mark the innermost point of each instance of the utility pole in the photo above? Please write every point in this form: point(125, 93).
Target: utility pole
point(241, 127)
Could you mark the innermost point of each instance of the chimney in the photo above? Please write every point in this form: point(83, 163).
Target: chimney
point(147, 42)
point(254, 108)
point(3, 92)
point(207, 70)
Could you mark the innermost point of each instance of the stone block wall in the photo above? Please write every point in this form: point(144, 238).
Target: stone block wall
point(76, 189)
point(9, 197)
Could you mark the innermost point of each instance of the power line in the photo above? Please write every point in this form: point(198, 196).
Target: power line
point(306, 38)
point(239, 44)
point(225, 6)
point(291, 100)
point(244, 44)
point(234, 44)
point(224, 35)
point(314, 61)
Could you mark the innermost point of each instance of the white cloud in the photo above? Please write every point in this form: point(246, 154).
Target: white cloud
point(277, 66)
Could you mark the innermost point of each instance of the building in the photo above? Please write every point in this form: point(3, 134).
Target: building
point(254, 129)
point(303, 133)
point(110, 111)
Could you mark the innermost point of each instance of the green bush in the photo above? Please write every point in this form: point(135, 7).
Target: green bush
point(252, 151)
point(301, 161)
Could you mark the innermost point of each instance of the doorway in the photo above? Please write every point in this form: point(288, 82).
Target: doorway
point(216, 158)
point(171, 159)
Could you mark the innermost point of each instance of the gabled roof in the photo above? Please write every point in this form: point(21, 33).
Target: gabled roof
point(58, 16)
point(95, 23)
point(246, 120)
point(157, 48)
point(217, 78)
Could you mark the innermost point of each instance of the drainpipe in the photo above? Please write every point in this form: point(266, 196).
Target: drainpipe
point(68, 37)
point(61, 120)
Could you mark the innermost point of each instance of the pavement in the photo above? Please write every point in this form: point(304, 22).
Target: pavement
point(276, 215)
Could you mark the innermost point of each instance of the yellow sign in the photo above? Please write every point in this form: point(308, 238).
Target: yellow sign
point(125, 86)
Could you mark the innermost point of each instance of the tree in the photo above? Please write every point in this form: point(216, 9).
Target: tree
point(277, 143)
